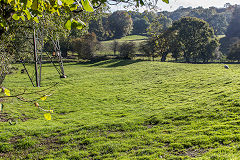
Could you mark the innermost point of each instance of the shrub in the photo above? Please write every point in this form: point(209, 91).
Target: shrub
point(127, 50)
point(148, 48)
point(85, 46)
point(234, 51)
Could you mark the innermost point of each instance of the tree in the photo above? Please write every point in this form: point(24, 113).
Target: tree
point(194, 35)
point(115, 46)
point(85, 46)
point(232, 33)
point(219, 23)
point(165, 42)
point(120, 23)
point(207, 52)
point(234, 52)
point(101, 28)
point(148, 48)
point(233, 29)
point(33, 10)
point(127, 50)
point(140, 26)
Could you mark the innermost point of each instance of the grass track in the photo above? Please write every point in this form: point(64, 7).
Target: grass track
point(118, 109)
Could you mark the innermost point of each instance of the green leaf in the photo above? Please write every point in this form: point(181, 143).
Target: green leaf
point(22, 17)
point(35, 5)
point(73, 7)
point(9, 1)
point(78, 24)
point(166, 1)
point(43, 98)
point(68, 2)
point(29, 4)
point(36, 19)
point(7, 92)
point(3, 23)
point(47, 116)
point(87, 5)
point(27, 14)
point(68, 25)
point(15, 17)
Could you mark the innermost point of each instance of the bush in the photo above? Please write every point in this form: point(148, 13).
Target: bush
point(85, 46)
point(148, 48)
point(234, 51)
point(127, 50)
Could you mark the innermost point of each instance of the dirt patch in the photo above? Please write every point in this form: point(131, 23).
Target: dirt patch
point(194, 152)
point(50, 143)
point(4, 117)
point(24, 118)
point(15, 139)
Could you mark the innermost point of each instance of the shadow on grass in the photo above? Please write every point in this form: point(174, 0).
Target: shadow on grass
point(123, 63)
point(105, 63)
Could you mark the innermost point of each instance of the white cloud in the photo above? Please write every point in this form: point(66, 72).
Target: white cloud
point(174, 4)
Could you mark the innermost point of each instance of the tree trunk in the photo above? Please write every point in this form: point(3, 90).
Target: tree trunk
point(164, 57)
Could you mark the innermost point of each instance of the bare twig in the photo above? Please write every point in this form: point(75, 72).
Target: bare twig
point(24, 93)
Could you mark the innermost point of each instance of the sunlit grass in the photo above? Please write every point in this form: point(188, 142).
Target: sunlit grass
point(127, 110)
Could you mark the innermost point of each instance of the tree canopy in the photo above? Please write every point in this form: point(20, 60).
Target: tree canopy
point(196, 37)
point(33, 9)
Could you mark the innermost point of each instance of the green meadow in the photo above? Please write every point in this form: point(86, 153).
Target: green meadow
point(106, 46)
point(125, 109)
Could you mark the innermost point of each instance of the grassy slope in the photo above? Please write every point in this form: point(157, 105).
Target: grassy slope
point(129, 110)
point(107, 45)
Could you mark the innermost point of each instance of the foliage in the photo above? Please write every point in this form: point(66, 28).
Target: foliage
point(127, 50)
point(234, 52)
point(232, 34)
point(120, 23)
point(85, 46)
point(207, 51)
point(115, 46)
point(196, 38)
point(101, 28)
point(140, 26)
point(218, 18)
point(5, 58)
point(233, 29)
point(148, 48)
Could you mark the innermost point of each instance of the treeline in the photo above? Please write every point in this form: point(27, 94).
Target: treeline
point(188, 38)
point(122, 23)
point(187, 33)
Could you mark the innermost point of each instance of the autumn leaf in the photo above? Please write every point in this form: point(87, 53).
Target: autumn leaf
point(43, 98)
point(47, 116)
point(7, 92)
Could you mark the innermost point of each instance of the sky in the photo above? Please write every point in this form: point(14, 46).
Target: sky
point(174, 4)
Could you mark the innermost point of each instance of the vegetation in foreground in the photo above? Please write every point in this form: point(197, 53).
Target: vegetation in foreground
point(117, 109)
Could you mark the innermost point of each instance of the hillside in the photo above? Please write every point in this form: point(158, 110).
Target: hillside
point(118, 109)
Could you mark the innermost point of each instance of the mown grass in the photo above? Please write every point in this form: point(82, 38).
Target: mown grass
point(117, 109)
point(106, 46)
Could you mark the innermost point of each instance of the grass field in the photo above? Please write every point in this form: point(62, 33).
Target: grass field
point(118, 109)
point(106, 48)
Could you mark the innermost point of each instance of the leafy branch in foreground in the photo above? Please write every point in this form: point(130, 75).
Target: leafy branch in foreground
point(20, 97)
point(33, 9)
